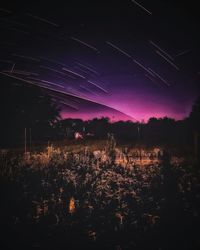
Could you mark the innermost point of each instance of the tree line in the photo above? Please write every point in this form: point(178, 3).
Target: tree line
point(23, 106)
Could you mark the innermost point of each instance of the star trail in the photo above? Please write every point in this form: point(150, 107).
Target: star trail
point(121, 55)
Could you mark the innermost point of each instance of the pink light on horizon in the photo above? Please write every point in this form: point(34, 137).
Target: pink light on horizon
point(113, 118)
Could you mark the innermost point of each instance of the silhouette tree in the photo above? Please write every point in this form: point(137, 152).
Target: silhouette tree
point(194, 119)
point(195, 115)
point(23, 106)
point(100, 127)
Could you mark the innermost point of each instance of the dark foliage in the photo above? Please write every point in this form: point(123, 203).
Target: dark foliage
point(23, 106)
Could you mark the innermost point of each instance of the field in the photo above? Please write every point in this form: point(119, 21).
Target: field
point(99, 195)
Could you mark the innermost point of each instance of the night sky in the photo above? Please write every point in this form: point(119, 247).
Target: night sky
point(123, 59)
